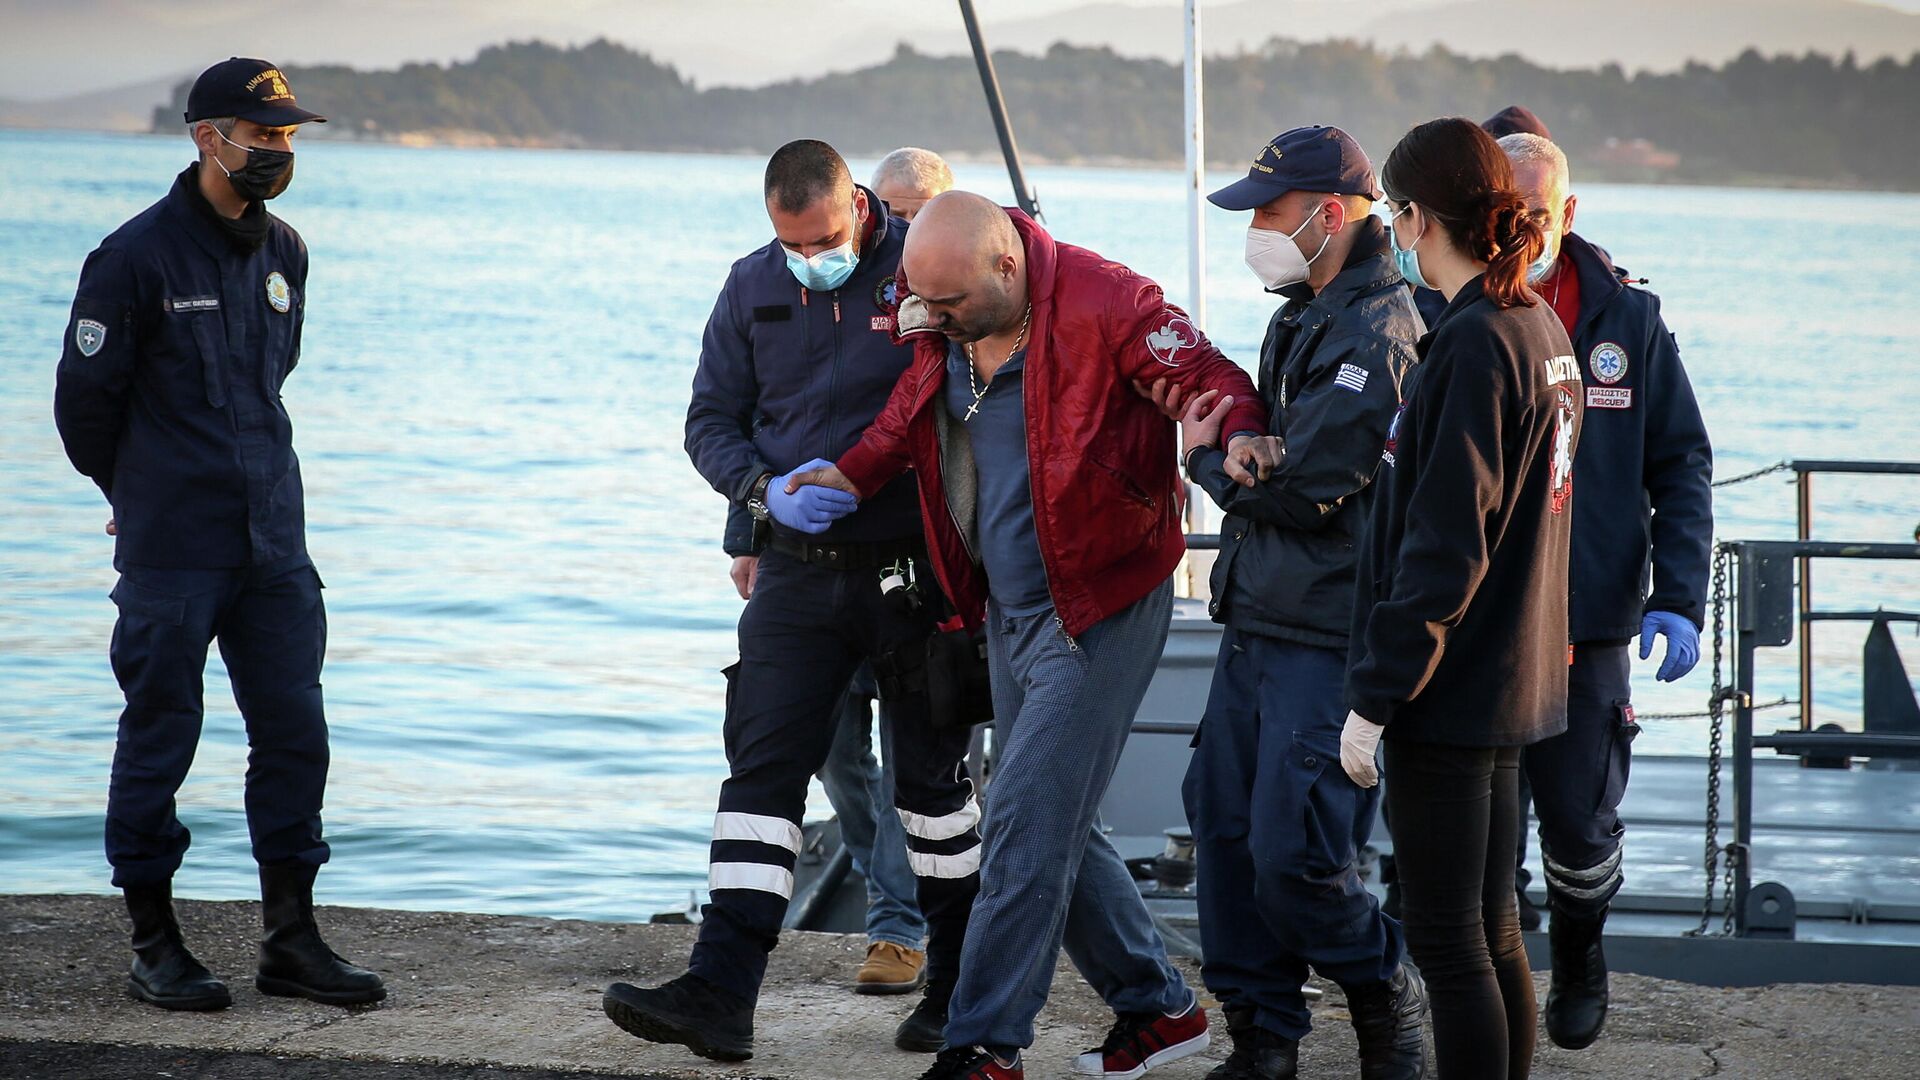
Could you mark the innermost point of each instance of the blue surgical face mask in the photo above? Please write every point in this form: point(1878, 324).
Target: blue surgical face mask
point(1406, 260)
point(1538, 270)
point(824, 271)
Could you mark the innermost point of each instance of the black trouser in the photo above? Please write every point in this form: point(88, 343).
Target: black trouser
point(1454, 822)
point(272, 628)
point(1579, 777)
point(804, 632)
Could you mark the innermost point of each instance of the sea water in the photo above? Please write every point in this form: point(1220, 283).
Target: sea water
point(528, 603)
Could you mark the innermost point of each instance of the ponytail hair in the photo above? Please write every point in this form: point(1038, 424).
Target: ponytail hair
point(1461, 178)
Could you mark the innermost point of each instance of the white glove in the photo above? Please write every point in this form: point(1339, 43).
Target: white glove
point(1359, 741)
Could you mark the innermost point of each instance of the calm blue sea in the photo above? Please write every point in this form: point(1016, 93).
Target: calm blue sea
point(528, 603)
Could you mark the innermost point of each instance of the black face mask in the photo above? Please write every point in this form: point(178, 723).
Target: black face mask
point(266, 173)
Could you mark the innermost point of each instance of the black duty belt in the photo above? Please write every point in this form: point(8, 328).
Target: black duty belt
point(846, 556)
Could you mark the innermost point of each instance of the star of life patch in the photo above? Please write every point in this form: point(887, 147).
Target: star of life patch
point(89, 336)
point(1351, 376)
point(1608, 361)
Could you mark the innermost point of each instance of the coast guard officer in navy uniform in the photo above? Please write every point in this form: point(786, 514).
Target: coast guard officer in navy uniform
point(798, 358)
point(185, 325)
point(1642, 533)
point(1274, 818)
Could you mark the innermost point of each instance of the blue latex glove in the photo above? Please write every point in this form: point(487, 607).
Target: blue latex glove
point(1683, 643)
point(812, 508)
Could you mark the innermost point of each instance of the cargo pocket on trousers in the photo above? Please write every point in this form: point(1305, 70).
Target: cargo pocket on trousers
point(732, 674)
point(1212, 794)
point(1325, 798)
point(1622, 729)
point(149, 604)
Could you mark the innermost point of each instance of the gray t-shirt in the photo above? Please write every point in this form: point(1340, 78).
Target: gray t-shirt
point(1009, 549)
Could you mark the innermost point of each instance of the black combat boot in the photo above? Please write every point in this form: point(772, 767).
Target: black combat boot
point(924, 1031)
point(294, 961)
point(164, 972)
point(1258, 1054)
point(689, 1011)
point(1577, 993)
point(1389, 1019)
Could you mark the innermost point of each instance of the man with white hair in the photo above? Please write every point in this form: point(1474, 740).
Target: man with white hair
point(908, 177)
point(1642, 530)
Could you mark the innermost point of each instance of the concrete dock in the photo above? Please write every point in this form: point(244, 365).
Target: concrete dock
point(500, 998)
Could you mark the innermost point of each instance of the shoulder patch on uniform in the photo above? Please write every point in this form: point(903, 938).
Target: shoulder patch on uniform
point(886, 296)
point(1172, 335)
point(1352, 377)
point(1393, 434)
point(89, 336)
point(1560, 481)
point(1608, 362)
point(277, 292)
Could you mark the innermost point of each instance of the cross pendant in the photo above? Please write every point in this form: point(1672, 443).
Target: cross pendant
point(971, 409)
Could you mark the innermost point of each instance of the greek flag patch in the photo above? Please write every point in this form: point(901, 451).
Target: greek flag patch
point(1351, 376)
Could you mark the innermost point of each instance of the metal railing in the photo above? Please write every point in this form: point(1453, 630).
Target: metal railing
point(1803, 471)
point(1765, 617)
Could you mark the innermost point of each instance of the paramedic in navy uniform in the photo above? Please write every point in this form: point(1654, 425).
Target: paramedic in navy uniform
point(1642, 530)
point(185, 325)
point(798, 358)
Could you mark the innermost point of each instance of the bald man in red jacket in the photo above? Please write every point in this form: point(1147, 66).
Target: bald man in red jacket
point(1052, 509)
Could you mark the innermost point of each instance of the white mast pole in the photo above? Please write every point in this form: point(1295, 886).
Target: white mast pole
point(1196, 169)
point(1197, 571)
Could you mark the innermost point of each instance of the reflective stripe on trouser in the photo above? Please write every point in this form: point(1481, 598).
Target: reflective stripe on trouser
point(802, 636)
point(1048, 876)
point(1274, 819)
point(272, 627)
point(1579, 777)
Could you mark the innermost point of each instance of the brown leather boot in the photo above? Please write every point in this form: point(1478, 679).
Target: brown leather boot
point(891, 969)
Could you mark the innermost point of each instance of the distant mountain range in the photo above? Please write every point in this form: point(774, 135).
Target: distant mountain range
point(123, 108)
point(1655, 35)
point(1809, 121)
point(140, 42)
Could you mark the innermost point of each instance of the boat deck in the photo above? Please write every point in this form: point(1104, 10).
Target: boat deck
point(1845, 842)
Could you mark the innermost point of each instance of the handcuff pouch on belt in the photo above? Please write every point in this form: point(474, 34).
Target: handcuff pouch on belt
point(948, 666)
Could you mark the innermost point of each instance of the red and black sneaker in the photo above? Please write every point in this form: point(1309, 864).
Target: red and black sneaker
point(972, 1063)
point(1141, 1041)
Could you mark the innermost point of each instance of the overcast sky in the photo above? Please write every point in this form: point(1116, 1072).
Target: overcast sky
point(56, 48)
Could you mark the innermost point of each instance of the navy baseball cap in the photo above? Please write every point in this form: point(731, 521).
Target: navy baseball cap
point(248, 89)
point(1313, 158)
point(1514, 119)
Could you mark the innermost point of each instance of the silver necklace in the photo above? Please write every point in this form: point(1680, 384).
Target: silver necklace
point(973, 382)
